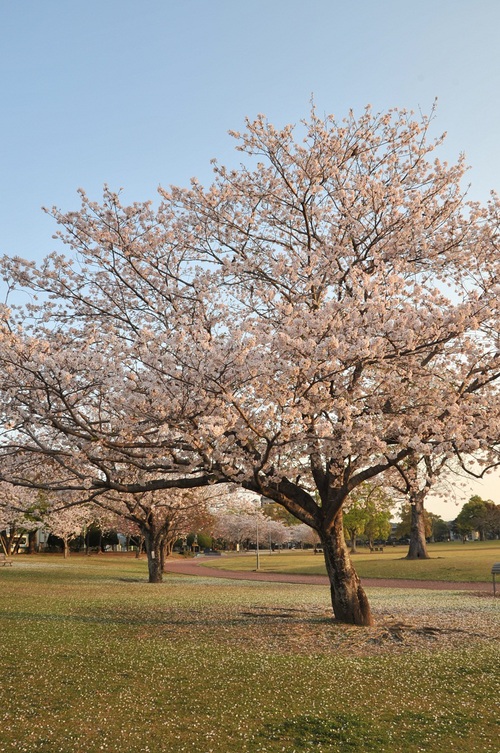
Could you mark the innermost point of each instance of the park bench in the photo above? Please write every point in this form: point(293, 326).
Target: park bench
point(376, 549)
point(4, 560)
point(495, 570)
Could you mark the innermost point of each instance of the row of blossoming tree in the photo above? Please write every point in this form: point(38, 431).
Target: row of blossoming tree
point(322, 316)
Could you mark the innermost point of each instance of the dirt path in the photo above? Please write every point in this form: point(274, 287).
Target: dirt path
point(194, 567)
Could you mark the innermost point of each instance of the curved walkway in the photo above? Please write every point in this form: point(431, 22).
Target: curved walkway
point(182, 567)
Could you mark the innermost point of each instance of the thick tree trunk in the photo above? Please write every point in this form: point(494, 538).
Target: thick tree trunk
point(349, 600)
point(418, 546)
point(155, 572)
point(154, 544)
point(32, 542)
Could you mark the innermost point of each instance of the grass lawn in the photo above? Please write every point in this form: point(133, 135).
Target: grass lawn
point(450, 561)
point(93, 658)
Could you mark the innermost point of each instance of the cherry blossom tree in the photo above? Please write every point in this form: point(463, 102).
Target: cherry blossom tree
point(130, 531)
point(419, 475)
point(277, 533)
point(363, 295)
point(161, 517)
point(238, 528)
point(304, 534)
point(243, 526)
point(416, 478)
point(74, 431)
point(21, 512)
point(236, 515)
point(301, 326)
point(67, 523)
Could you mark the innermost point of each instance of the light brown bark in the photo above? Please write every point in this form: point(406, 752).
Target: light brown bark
point(349, 600)
point(418, 545)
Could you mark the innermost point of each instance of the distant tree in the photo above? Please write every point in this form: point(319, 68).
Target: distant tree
point(368, 512)
point(68, 523)
point(355, 520)
point(129, 530)
point(203, 539)
point(303, 534)
point(492, 519)
point(403, 528)
point(239, 528)
point(416, 476)
point(21, 512)
point(93, 537)
point(439, 529)
point(161, 517)
point(378, 526)
point(277, 532)
point(478, 515)
point(188, 522)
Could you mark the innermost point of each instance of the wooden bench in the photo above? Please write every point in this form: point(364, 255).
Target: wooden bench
point(376, 549)
point(495, 570)
point(4, 560)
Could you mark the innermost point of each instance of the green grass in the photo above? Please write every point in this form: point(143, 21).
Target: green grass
point(96, 659)
point(451, 561)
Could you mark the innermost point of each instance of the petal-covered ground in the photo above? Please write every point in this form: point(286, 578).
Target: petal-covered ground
point(96, 659)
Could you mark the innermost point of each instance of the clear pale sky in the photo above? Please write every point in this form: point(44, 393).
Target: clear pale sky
point(141, 94)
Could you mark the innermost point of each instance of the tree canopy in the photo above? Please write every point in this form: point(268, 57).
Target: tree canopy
point(478, 515)
point(302, 325)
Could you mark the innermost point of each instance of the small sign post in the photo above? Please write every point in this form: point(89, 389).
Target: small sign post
point(495, 570)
